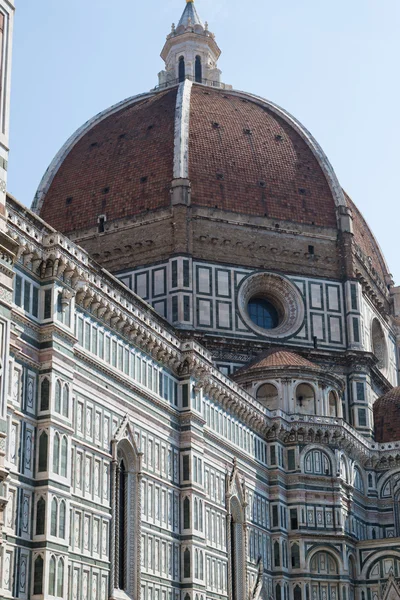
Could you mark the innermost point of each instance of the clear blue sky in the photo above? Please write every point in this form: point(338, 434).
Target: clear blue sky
point(334, 64)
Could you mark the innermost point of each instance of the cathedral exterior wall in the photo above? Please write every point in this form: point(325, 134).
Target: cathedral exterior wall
point(311, 499)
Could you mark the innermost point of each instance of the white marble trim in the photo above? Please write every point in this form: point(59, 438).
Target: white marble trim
point(181, 142)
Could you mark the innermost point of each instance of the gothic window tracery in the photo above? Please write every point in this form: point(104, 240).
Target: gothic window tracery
point(126, 522)
point(317, 462)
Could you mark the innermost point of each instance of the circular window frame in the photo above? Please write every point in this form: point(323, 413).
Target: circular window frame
point(283, 294)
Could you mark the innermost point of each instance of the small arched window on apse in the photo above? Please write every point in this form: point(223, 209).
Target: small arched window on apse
point(379, 347)
point(267, 394)
point(333, 404)
point(305, 399)
point(181, 69)
point(198, 70)
point(126, 524)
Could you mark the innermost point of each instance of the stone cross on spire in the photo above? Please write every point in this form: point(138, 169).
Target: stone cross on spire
point(190, 52)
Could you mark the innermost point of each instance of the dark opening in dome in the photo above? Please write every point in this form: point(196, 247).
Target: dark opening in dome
point(263, 313)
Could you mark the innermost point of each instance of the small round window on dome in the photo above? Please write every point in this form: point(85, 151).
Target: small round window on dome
point(263, 313)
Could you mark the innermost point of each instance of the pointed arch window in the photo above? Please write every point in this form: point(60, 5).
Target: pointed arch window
point(186, 563)
point(57, 401)
point(64, 457)
point(198, 70)
point(45, 394)
point(56, 453)
point(122, 521)
point(54, 517)
point(295, 551)
point(182, 69)
point(52, 576)
point(61, 523)
point(38, 577)
point(186, 513)
point(65, 401)
point(297, 593)
point(40, 516)
point(126, 520)
point(60, 578)
point(43, 448)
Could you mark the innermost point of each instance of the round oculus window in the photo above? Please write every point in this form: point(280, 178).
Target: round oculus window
point(263, 313)
point(271, 305)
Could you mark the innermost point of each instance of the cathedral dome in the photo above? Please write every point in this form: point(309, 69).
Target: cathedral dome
point(244, 156)
point(228, 156)
point(387, 417)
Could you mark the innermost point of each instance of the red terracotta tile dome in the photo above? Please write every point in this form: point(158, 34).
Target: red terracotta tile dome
point(278, 358)
point(387, 417)
point(245, 156)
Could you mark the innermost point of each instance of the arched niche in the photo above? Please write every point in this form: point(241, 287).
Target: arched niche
point(126, 517)
point(379, 346)
point(268, 395)
point(333, 404)
point(305, 399)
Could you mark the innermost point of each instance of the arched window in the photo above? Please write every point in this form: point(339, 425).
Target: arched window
point(295, 553)
point(267, 394)
point(64, 457)
point(122, 518)
point(126, 492)
point(278, 592)
point(186, 513)
point(56, 453)
point(237, 549)
point(40, 516)
point(54, 517)
point(324, 563)
point(61, 521)
point(182, 72)
point(57, 401)
point(52, 576)
point(186, 563)
point(60, 579)
point(370, 480)
point(333, 405)
point(373, 534)
point(200, 515)
point(38, 577)
point(196, 514)
point(196, 564)
point(45, 394)
point(358, 481)
point(297, 593)
point(317, 463)
point(65, 401)
point(277, 560)
point(43, 447)
point(198, 70)
point(201, 574)
point(305, 399)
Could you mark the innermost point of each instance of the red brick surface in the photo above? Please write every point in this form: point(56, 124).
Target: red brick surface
point(135, 143)
point(387, 417)
point(267, 168)
point(364, 238)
